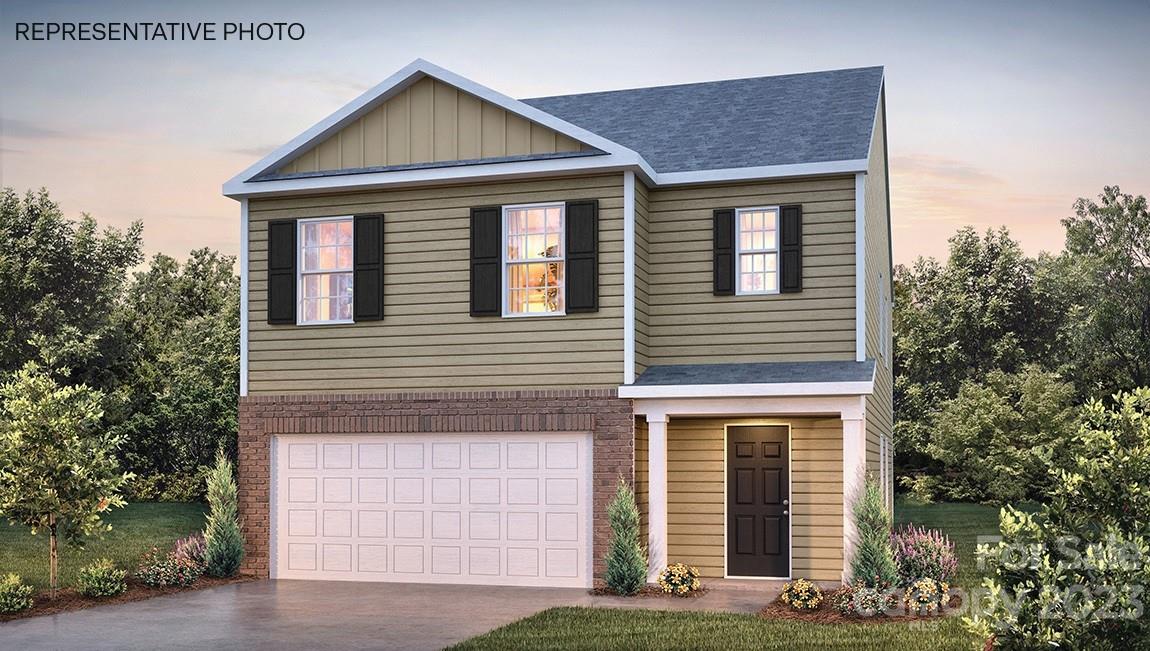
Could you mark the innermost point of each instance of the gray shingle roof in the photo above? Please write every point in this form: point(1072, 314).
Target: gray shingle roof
point(757, 373)
point(788, 119)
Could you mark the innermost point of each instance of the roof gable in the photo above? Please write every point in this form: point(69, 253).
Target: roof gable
point(431, 121)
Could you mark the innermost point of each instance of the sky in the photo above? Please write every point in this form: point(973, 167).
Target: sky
point(999, 113)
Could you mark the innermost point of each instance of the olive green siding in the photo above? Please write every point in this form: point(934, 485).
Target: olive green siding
point(689, 325)
point(877, 281)
point(427, 339)
point(696, 493)
point(642, 279)
point(427, 122)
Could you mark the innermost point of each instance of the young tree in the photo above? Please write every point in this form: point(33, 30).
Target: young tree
point(873, 560)
point(626, 559)
point(58, 469)
point(223, 541)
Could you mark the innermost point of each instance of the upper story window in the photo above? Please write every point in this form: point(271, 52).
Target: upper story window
point(757, 262)
point(533, 262)
point(325, 270)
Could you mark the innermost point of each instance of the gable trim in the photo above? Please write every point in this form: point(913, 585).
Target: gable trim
point(239, 184)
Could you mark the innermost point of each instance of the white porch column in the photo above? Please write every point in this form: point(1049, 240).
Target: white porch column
point(854, 476)
point(656, 495)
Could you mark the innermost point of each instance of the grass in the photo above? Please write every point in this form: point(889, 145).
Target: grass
point(135, 529)
point(610, 628)
point(606, 628)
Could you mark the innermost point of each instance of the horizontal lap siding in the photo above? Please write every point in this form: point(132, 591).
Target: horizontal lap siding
point(696, 499)
point(428, 340)
point(879, 405)
point(642, 260)
point(687, 324)
point(641, 483)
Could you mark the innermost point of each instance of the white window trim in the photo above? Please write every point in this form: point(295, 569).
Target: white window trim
point(739, 251)
point(504, 262)
point(299, 273)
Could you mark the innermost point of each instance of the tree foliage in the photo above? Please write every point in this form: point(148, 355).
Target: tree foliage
point(873, 560)
point(626, 558)
point(58, 466)
point(223, 540)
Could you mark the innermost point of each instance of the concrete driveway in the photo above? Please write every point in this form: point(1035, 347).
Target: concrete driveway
point(321, 615)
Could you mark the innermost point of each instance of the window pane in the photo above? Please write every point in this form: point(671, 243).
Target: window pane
point(310, 259)
point(327, 233)
point(769, 240)
point(771, 219)
point(770, 282)
point(345, 232)
point(770, 260)
point(344, 257)
point(553, 219)
point(310, 310)
point(553, 248)
point(310, 235)
point(536, 247)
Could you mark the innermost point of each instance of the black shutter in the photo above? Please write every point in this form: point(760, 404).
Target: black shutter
point(790, 249)
point(281, 271)
point(582, 275)
point(723, 256)
point(367, 285)
point(486, 280)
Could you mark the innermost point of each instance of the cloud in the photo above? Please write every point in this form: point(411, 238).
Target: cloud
point(942, 169)
point(30, 131)
point(258, 151)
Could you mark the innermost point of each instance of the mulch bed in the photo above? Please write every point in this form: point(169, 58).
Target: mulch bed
point(68, 599)
point(647, 591)
point(825, 614)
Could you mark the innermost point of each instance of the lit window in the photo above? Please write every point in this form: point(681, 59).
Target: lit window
point(533, 259)
point(758, 260)
point(325, 282)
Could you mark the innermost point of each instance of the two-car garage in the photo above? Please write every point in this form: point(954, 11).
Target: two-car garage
point(505, 509)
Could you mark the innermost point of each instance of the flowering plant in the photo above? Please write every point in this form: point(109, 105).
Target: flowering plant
point(802, 594)
point(922, 553)
point(861, 599)
point(161, 571)
point(927, 596)
point(680, 579)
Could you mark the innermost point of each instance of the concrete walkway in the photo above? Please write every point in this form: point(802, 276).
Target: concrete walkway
point(325, 615)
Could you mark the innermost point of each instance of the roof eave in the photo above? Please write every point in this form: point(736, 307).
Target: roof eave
point(780, 389)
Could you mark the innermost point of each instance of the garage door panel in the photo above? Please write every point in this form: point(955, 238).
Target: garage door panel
point(510, 509)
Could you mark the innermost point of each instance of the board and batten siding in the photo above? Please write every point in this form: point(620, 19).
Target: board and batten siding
point(696, 497)
point(427, 339)
point(430, 121)
point(689, 325)
point(879, 405)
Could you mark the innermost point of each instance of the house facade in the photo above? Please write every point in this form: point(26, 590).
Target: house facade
point(465, 317)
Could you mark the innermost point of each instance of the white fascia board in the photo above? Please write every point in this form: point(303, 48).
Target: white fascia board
point(748, 390)
point(393, 85)
point(762, 172)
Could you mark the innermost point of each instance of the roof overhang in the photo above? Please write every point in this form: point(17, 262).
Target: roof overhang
point(747, 390)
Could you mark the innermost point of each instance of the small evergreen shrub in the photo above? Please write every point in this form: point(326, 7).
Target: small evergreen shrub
point(101, 579)
point(14, 594)
point(165, 570)
point(680, 579)
point(861, 600)
point(927, 596)
point(802, 594)
point(873, 561)
point(191, 549)
point(921, 553)
point(224, 544)
point(626, 559)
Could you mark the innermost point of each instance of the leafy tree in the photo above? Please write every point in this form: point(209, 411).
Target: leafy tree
point(626, 559)
point(223, 541)
point(995, 441)
point(60, 281)
point(873, 560)
point(1073, 574)
point(1108, 248)
point(183, 376)
point(58, 470)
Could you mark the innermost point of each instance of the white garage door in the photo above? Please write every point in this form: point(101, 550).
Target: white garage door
point(507, 509)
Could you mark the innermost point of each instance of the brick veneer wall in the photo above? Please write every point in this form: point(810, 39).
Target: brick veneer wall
point(599, 411)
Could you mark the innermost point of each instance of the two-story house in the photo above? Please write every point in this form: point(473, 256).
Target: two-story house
point(465, 317)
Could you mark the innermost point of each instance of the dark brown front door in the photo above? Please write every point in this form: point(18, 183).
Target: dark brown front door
point(758, 501)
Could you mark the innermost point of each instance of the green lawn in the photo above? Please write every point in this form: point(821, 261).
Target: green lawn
point(136, 528)
point(609, 628)
point(605, 628)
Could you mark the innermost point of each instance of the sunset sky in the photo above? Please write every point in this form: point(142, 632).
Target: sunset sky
point(999, 113)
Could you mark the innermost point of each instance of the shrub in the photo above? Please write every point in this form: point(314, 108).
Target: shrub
point(927, 596)
point(14, 595)
point(224, 544)
point(626, 559)
point(873, 562)
point(101, 579)
point(165, 570)
point(680, 579)
point(802, 594)
point(191, 549)
point(921, 553)
point(859, 599)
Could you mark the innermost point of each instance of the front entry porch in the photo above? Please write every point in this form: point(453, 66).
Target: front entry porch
point(750, 489)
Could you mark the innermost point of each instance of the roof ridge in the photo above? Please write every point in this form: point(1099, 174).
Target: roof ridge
point(705, 83)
